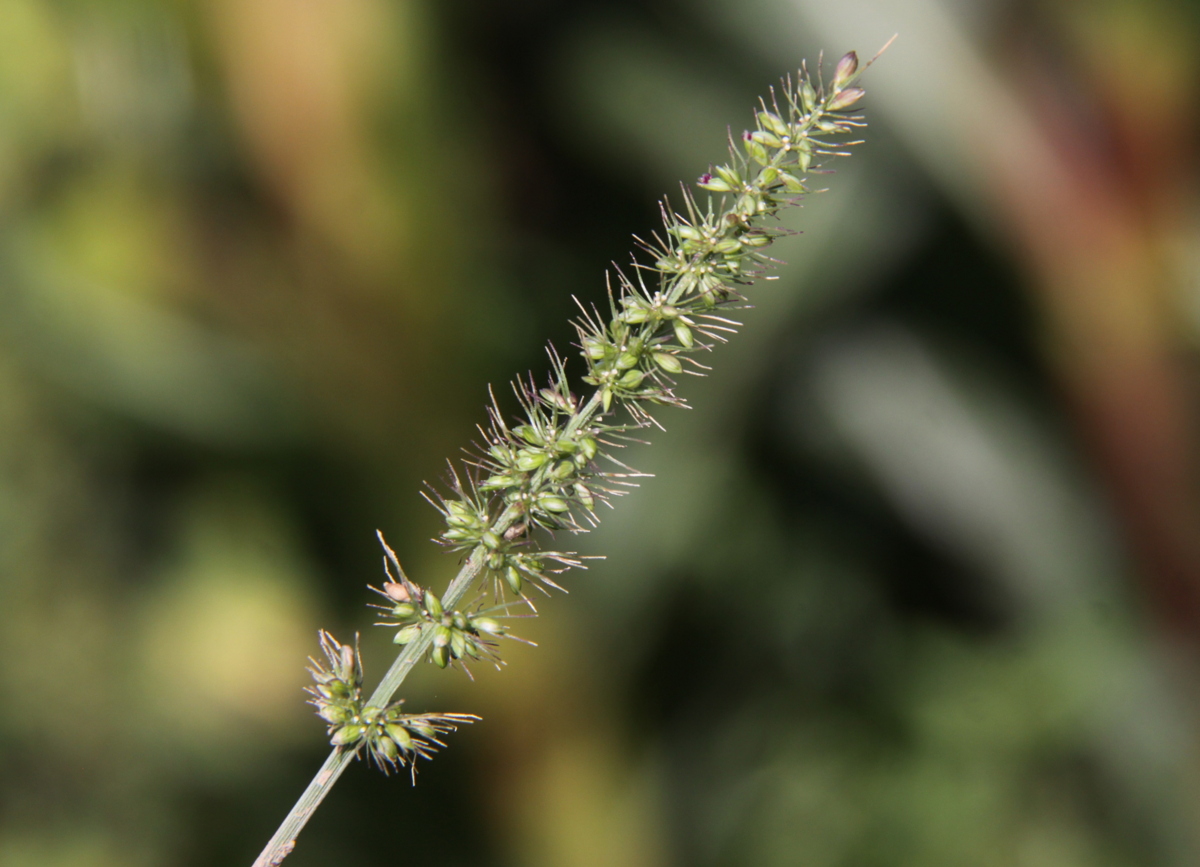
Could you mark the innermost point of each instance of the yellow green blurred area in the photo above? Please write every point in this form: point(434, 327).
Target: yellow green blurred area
point(917, 582)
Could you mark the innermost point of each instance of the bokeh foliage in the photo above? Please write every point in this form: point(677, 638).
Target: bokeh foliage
point(914, 583)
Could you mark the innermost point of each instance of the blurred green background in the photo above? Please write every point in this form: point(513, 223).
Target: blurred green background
point(916, 583)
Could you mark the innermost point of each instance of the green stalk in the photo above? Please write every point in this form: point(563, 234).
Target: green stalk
point(284, 839)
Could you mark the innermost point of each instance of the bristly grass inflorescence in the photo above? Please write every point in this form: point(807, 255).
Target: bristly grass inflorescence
point(551, 468)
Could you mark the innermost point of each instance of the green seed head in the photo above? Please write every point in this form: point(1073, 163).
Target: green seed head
point(408, 634)
point(668, 362)
point(400, 735)
point(386, 747)
point(335, 714)
point(512, 577)
point(585, 496)
point(433, 605)
point(487, 625)
point(631, 379)
point(552, 503)
point(846, 99)
point(347, 735)
point(773, 122)
point(529, 460)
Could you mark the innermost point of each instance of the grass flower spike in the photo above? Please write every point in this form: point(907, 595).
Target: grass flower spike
point(550, 468)
point(390, 737)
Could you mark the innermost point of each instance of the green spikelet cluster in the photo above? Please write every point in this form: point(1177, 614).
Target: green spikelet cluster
point(552, 466)
point(390, 736)
point(458, 636)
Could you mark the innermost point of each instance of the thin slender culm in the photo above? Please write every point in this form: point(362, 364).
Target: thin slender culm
point(547, 470)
